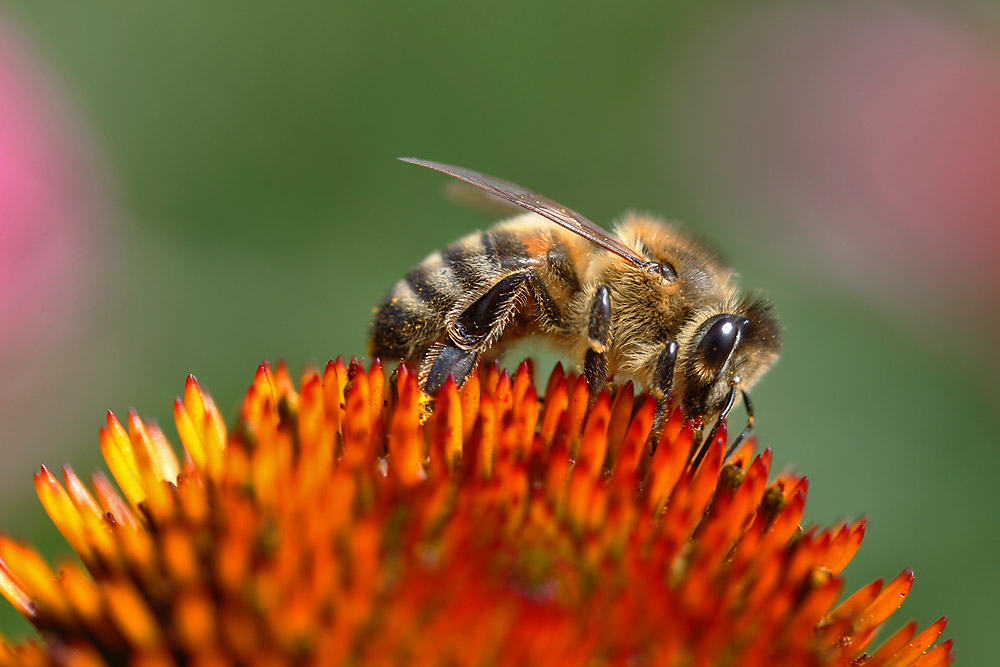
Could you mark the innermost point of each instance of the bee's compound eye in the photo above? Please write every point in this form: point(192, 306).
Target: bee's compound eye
point(720, 339)
point(667, 272)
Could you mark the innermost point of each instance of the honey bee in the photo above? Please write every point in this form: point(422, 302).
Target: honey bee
point(648, 302)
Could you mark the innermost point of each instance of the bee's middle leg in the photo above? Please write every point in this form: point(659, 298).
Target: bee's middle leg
point(595, 363)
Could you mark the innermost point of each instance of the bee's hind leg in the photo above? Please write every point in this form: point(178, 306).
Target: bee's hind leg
point(453, 361)
point(595, 364)
point(472, 331)
point(663, 383)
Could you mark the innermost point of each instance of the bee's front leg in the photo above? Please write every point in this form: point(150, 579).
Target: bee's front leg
point(473, 330)
point(595, 364)
point(663, 384)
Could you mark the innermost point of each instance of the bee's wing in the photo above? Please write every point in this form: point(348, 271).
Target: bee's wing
point(543, 206)
point(471, 197)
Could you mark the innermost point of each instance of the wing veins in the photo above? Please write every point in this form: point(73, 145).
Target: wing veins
point(536, 203)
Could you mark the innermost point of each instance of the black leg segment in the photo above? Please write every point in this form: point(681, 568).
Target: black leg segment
point(663, 377)
point(663, 382)
point(453, 361)
point(599, 336)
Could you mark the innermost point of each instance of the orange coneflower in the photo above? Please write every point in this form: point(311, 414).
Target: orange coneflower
point(331, 525)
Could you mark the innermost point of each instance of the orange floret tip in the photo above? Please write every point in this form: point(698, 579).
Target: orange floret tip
point(353, 519)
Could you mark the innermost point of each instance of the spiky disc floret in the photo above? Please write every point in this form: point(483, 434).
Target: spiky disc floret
point(331, 525)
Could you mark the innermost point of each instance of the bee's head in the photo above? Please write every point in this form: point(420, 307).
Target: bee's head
point(723, 348)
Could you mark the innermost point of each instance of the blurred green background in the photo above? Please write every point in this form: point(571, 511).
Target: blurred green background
point(225, 190)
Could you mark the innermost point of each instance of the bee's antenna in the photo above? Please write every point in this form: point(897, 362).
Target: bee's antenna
point(707, 441)
point(742, 436)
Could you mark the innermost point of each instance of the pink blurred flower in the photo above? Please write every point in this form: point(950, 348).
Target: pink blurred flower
point(53, 215)
point(47, 204)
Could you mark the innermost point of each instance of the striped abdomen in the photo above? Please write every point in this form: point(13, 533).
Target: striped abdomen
point(414, 313)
